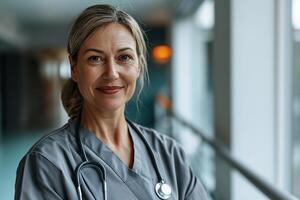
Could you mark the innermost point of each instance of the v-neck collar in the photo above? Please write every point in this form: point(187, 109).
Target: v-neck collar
point(107, 156)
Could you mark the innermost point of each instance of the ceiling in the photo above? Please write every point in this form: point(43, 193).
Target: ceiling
point(54, 11)
point(41, 23)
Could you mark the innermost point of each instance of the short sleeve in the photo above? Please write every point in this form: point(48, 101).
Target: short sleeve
point(195, 189)
point(37, 178)
point(190, 184)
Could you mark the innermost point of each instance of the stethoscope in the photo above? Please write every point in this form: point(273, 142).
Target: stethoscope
point(162, 189)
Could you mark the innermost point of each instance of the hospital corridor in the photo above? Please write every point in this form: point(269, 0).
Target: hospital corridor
point(222, 80)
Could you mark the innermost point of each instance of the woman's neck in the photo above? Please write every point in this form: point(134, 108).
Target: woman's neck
point(112, 130)
point(109, 127)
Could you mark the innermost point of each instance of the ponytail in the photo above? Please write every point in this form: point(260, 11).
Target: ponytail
point(71, 98)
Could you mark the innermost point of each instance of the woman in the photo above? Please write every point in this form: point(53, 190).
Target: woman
point(99, 154)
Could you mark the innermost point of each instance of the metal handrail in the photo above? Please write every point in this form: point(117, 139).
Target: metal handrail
point(262, 185)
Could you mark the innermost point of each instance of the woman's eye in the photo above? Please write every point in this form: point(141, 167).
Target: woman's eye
point(95, 59)
point(125, 58)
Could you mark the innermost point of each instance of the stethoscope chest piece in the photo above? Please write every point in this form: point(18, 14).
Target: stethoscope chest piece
point(163, 190)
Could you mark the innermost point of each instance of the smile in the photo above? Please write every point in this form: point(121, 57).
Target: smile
point(110, 89)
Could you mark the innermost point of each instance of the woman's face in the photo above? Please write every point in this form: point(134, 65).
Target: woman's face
point(107, 68)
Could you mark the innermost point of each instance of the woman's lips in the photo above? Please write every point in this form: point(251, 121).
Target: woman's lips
point(110, 89)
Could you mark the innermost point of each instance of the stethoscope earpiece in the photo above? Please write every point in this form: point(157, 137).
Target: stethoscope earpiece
point(163, 190)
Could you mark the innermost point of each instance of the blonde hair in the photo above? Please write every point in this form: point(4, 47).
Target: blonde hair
point(88, 21)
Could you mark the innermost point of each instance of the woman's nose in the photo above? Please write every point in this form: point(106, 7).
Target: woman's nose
point(111, 71)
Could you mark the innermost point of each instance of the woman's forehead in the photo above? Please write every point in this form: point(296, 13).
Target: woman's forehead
point(111, 36)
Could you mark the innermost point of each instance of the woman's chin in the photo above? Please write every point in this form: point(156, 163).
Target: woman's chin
point(110, 106)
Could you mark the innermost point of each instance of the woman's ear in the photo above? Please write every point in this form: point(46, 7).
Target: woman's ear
point(73, 68)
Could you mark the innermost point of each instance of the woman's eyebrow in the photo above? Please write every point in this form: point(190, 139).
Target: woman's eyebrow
point(93, 49)
point(102, 52)
point(125, 48)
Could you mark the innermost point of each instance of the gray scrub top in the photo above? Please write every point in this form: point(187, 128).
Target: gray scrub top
point(47, 170)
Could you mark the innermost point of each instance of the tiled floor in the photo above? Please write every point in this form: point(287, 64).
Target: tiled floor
point(12, 149)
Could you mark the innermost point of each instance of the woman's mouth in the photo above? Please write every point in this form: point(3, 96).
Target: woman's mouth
point(110, 89)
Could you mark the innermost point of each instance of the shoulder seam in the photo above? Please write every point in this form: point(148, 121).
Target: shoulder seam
point(44, 157)
point(47, 136)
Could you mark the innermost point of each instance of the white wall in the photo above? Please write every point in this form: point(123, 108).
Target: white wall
point(252, 83)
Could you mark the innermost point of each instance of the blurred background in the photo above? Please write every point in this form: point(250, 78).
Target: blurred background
point(229, 69)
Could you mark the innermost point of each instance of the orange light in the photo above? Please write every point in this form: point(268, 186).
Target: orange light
point(161, 53)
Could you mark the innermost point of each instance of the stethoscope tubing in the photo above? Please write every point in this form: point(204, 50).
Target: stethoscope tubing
point(99, 168)
point(137, 130)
